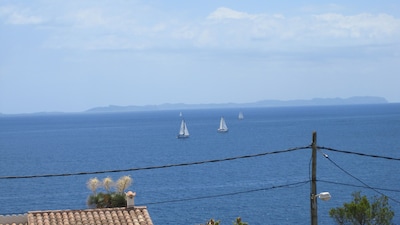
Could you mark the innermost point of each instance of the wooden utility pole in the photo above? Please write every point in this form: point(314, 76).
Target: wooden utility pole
point(313, 195)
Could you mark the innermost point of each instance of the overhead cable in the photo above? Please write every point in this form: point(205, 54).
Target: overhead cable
point(154, 167)
point(353, 185)
point(359, 180)
point(358, 153)
point(227, 194)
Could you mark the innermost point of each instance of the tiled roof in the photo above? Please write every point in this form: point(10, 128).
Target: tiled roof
point(20, 219)
point(137, 215)
point(14, 224)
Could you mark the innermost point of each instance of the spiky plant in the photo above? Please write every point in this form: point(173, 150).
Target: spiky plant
point(93, 184)
point(239, 222)
point(108, 183)
point(92, 201)
point(118, 200)
point(123, 183)
point(213, 222)
point(110, 198)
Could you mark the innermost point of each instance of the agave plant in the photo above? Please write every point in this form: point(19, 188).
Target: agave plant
point(239, 222)
point(213, 222)
point(109, 199)
point(118, 200)
point(92, 201)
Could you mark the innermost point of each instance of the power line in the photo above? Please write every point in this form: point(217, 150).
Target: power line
point(154, 167)
point(359, 180)
point(353, 185)
point(192, 163)
point(294, 184)
point(227, 194)
point(358, 153)
point(230, 159)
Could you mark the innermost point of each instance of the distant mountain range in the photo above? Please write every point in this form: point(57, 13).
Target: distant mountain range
point(265, 103)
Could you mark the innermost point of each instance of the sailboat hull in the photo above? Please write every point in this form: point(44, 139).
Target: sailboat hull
point(182, 136)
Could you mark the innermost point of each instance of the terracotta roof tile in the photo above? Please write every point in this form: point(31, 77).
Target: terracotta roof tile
point(106, 216)
point(14, 224)
point(19, 219)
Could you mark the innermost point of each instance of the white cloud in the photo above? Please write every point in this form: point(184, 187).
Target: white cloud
point(362, 26)
point(226, 13)
point(216, 43)
point(321, 8)
point(88, 18)
point(17, 16)
point(236, 28)
point(137, 27)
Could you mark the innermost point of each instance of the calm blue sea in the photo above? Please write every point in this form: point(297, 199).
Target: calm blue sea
point(258, 189)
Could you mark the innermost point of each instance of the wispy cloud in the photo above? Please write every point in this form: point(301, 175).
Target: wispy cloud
point(321, 8)
point(89, 27)
point(362, 26)
point(56, 49)
point(89, 18)
point(227, 13)
point(17, 16)
point(322, 29)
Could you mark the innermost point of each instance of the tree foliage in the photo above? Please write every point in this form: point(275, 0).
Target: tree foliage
point(238, 221)
point(213, 222)
point(361, 211)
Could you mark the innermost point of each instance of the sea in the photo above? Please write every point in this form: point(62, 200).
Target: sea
point(260, 170)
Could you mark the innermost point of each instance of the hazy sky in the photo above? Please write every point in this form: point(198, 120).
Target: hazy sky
point(58, 55)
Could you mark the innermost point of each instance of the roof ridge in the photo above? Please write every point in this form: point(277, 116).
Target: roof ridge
point(80, 210)
point(108, 216)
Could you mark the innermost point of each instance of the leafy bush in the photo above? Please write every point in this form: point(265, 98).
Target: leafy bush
point(237, 222)
point(361, 211)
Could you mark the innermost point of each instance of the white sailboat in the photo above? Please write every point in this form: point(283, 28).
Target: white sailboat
point(240, 117)
point(222, 126)
point(183, 131)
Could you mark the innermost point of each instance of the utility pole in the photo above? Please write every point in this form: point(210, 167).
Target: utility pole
point(313, 195)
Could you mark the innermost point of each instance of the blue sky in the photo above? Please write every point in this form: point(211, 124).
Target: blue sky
point(74, 55)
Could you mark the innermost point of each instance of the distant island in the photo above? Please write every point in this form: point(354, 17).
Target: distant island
point(265, 103)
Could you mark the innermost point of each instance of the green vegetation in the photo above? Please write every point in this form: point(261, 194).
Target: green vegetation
point(109, 198)
point(237, 222)
point(361, 211)
point(212, 222)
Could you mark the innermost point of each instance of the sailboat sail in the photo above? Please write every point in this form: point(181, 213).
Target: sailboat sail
point(222, 126)
point(183, 131)
point(240, 117)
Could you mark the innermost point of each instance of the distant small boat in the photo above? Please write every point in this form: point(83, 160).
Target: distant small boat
point(240, 117)
point(222, 126)
point(183, 130)
point(180, 114)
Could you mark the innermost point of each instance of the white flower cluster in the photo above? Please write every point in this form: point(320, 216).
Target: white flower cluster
point(121, 185)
